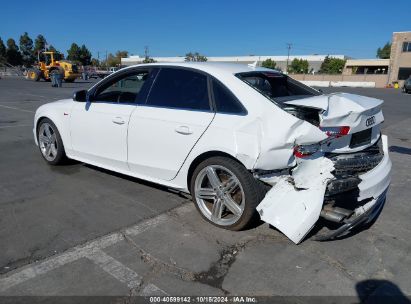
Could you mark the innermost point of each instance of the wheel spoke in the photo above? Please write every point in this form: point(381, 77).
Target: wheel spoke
point(48, 150)
point(53, 149)
point(47, 131)
point(217, 209)
point(231, 185)
point(206, 193)
point(232, 205)
point(44, 139)
point(53, 138)
point(213, 177)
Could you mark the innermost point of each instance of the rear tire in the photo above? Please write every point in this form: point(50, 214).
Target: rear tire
point(50, 143)
point(220, 182)
point(33, 74)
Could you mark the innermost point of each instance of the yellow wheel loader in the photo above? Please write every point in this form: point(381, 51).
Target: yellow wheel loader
point(43, 69)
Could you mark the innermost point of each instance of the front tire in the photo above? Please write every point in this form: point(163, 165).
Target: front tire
point(225, 193)
point(50, 143)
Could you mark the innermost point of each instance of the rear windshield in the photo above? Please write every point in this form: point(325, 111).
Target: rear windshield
point(276, 86)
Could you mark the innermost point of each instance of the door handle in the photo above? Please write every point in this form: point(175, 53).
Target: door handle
point(118, 120)
point(184, 130)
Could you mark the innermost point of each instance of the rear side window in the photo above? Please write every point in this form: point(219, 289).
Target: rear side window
point(225, 101)
point(276, 86)
point(181, 89)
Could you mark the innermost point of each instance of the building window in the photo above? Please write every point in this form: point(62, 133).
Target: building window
point(406, 46)
point(404, 73)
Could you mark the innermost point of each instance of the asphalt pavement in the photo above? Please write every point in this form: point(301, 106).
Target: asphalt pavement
point(81, 230)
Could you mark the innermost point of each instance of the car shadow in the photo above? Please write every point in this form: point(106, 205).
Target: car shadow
point(380, 291)
point(139, 181)
point(401, 150)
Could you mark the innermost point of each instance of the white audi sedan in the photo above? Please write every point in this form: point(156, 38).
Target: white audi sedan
point(245, 141)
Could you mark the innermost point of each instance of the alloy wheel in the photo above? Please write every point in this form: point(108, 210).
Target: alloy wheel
point(219, 195)
point(48, 142)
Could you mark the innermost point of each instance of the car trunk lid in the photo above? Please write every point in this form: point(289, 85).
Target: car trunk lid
point(344, 109)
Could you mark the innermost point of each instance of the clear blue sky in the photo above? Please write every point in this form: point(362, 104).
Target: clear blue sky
point(214, 28)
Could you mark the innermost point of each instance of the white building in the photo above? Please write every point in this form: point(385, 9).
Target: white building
point(313, 60)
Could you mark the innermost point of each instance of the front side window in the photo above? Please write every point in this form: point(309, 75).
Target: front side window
point(180, 89)
point(124, 89)
point(276, 86)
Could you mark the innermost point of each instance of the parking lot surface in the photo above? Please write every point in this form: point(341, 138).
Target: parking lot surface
point(80, 230)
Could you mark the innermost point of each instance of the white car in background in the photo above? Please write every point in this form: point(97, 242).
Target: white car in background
point(243, 140)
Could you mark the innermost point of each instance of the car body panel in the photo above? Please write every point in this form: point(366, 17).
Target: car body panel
point(179, 131)
point(377, 180)
point(294, 203)
point(343, 109)
point(58, 112)
point(88, 121)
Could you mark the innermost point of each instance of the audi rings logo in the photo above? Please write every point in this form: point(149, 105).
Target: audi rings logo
point(370, 121)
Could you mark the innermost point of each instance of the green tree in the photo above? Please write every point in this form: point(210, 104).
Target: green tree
point(149, 60)
point(195, 57)
point(111, 60)
point(57, 54)
point(74, 53)
point(95, 62)
point(26, 49)
point(269, 64)
point(13, 55)
point(384, 52)
point(115, 60)
point(85, 55)
point(2, 51)
point(299, 66)
point(39, 46)
point(332, 65)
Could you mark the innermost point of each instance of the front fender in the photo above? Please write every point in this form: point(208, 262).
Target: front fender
point(59, 113)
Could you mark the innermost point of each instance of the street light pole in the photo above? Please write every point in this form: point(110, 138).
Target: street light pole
point(288, 55)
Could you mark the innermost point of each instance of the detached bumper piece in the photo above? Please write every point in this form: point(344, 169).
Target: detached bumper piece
point(354, 220)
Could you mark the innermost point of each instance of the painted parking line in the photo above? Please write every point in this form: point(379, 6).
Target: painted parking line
point(92, 251)
point(122, 273)
point(17, 109)
point(15, 126)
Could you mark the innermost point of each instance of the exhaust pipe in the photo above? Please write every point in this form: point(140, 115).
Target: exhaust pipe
point(335, 214)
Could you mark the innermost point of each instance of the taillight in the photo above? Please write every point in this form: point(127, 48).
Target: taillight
point(336, 131)
point(302, 151)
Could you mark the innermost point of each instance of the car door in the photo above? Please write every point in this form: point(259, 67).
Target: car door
point(163, 131)
point(99, 126)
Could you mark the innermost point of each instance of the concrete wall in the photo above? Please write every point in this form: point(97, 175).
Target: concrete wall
point(379, 80)
point(399, 59)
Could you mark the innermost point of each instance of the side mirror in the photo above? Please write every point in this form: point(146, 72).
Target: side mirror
point(80, 96)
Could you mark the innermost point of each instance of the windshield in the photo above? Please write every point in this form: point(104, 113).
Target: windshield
point(276, 86)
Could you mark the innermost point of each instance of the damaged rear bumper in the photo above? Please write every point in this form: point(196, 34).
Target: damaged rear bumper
point(295, 203)
point(356, 220)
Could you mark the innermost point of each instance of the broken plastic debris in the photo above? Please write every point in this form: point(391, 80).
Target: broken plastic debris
point(293, 206)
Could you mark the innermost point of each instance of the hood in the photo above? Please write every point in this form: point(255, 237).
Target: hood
point(344, 109)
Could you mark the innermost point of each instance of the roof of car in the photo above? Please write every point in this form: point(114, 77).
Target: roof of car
point(214, 68)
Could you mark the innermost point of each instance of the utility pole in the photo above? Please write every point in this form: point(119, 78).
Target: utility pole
point(289, 45)
point(106, 60)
